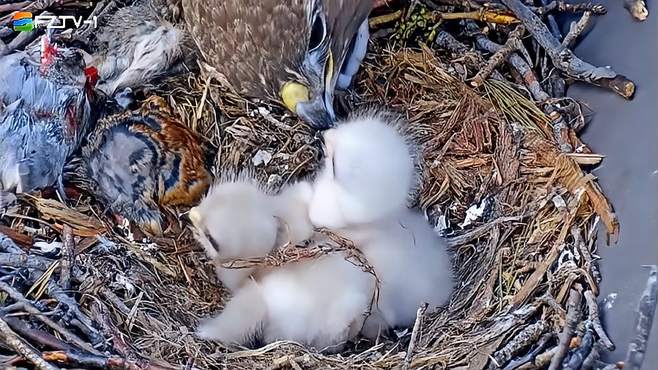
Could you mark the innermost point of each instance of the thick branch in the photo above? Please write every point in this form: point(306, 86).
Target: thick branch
point(78, 359)
point(565, 60)
point(573, 318)
point(595, 320)
point(22, 348)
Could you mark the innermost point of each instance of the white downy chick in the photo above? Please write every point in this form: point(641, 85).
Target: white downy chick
point(368, 173)
point(235, 219)
point(239, 219)
point(319, 303)
point(412, 264)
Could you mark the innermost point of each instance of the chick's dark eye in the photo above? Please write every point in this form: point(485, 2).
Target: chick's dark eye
point(318, 33)
point(212, 240)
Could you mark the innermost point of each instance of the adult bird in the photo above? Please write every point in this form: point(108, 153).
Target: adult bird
point(292, 51)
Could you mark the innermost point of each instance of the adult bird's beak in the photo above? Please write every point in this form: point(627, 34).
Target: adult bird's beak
point(317, 111)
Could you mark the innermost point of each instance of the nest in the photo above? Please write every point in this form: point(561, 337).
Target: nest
point(518, 213)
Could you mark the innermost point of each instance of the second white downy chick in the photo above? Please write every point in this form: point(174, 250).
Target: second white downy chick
point(368, 173)
point(412, 264)
point(320, 303)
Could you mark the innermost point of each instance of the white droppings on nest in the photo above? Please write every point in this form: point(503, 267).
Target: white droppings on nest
point(125, 227)
point(47, 247)
point(122, 281)
point(262, 157)
point(474, 213)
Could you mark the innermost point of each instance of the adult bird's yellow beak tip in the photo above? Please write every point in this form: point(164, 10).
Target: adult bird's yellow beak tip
point(293, 93)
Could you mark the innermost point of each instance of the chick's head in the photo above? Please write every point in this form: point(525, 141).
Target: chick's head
point(369, 172)
point(235, 220)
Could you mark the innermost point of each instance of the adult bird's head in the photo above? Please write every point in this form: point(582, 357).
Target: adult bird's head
point(290, 51)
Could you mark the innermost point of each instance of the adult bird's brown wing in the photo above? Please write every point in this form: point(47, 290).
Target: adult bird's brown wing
point(253, 43)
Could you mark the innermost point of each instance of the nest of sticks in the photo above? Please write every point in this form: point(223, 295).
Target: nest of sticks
point(505, 181)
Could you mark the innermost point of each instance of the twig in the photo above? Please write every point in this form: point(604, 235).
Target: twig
point(414, 335)
point(565, 59)
point(31, 309)
point(22, 348)
point(565, 7)
point(517, 62)
point(645, 313)
point(482, 15)
point(577, 356)
point(593, 357)
point(576, 29)
point(529, 358)
point(481, 230)
point(573, 318)
point(472, 58)
point(540, 361)
point(594, 319)
point(78, 359)
point(525, 338)
point(512, 44)
point(68, 258)
point(36, 336)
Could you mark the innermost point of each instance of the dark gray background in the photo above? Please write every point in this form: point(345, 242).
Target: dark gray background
point(626, 132)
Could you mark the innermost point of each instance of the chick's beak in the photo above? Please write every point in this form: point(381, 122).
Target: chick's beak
point(316, 111)
point(195, 216)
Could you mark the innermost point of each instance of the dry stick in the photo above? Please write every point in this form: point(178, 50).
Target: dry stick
point(24, 260)
point(578, 355)
point(540, 361)
point(68, 258)
point(22, 348)
point(525, 338)
point(565, 7)
point(576, 29)
point(593, 357)
point(585, 251)
point(82, 321)
point(645, 313)
point(515, 60)
point(529, 358)
point(28, 307)
point(77, 359)
point(565, 60)
point(22, 40)
point(473, 59)
point(420, 314)
point(36, 336)
point(595, 320)
point(512, 44)
point(552, 23)
point(573, 318)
